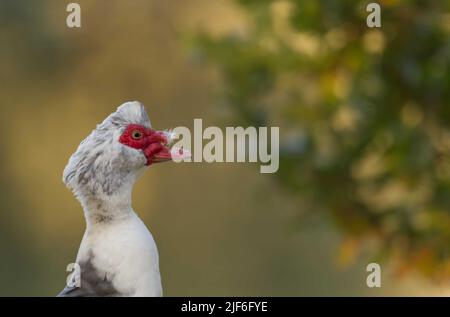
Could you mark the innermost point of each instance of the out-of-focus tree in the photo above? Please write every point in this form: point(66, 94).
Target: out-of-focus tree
point(364, 115)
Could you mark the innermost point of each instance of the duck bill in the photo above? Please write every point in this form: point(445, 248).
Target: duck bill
point(171, 154)
point(163, 156)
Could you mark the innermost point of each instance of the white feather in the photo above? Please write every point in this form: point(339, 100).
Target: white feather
point(101, 173)
point(126, 253)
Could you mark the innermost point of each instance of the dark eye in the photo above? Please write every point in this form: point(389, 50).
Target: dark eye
point(136, 134)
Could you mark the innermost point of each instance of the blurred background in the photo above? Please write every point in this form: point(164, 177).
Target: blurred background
point(364, 118)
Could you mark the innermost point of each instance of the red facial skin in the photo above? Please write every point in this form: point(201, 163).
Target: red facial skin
point(152, 143)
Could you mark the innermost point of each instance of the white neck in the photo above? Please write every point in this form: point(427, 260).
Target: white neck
point(119, 245)
point(104, 209)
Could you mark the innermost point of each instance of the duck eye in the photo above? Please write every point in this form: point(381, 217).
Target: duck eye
point(136, 134)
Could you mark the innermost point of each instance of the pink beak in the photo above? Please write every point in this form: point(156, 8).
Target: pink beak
point(158, 150)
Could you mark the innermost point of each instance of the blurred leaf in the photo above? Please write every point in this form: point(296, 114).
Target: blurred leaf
point(368, 109)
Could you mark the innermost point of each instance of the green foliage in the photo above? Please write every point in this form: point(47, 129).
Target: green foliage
point(364, 115)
